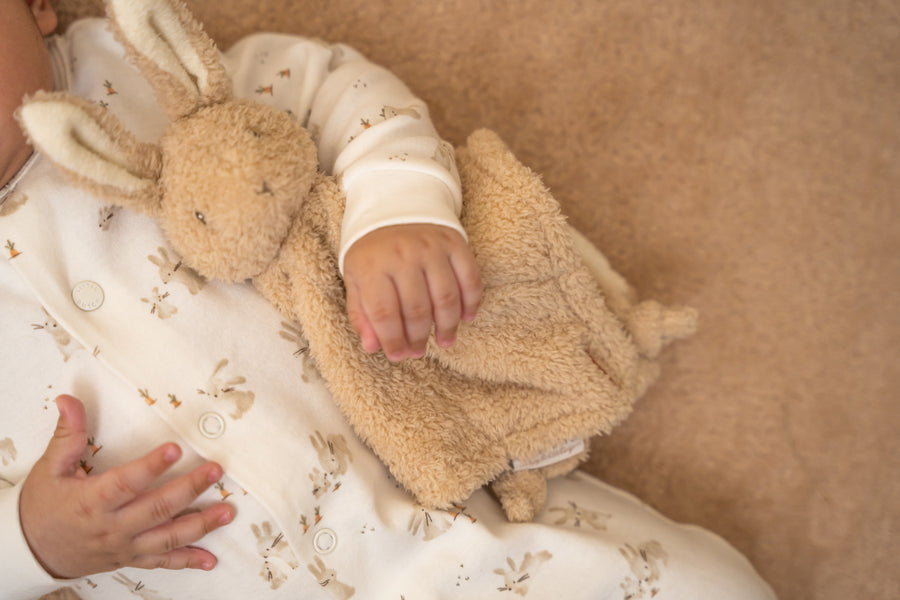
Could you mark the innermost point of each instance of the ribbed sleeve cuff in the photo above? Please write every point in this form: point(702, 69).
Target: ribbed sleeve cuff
point(382, 198)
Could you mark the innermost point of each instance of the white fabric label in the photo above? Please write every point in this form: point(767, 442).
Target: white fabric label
point(560, 453)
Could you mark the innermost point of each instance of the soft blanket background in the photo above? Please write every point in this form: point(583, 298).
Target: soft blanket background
point(742, 157)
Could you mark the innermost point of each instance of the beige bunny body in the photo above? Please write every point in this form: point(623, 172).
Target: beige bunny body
point(235, 186)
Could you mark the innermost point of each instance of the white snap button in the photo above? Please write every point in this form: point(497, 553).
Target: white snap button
point(325, 541)
point(87, 295)
point(212, 425)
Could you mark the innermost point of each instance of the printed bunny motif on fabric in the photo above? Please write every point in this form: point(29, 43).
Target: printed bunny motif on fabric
point(294, 333)
point(334, 457)
point(517, 578)
point(137, 588)
point(225, 390)
point(105, 216)
point(329, 581)
point(60, 336)
point(576, 515)
point(159, 304)
point(176, 271)
point(278, 558)
point(431, 523)
point(11, 204)
point(646, 562)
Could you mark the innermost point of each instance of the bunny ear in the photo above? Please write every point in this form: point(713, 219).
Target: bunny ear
point(91, 145)
point(170, 48)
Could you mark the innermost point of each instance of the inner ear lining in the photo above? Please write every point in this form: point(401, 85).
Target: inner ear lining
point(128, 177)
point(154, 26)
point(114, 158)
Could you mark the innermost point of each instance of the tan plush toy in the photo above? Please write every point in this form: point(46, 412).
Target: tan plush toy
point(558, 352)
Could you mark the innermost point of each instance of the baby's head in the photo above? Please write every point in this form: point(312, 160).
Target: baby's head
point(24, 68)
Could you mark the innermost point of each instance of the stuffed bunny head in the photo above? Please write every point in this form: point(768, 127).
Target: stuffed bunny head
point(227, 178)
point(234, 177)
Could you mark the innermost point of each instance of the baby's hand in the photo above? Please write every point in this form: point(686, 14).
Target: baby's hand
point(401, 279)
point(78, 525)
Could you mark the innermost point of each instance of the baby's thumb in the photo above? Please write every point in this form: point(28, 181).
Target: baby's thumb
point(70, 438)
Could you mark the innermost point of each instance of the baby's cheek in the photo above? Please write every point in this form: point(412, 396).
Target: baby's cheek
point(12, 146)
point(25, 68)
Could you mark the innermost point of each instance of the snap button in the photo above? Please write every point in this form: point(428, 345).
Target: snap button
point(87, 295)
point(325, 541)
point(212, 425)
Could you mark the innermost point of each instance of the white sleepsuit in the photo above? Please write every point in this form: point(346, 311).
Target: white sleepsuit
point(156, 353)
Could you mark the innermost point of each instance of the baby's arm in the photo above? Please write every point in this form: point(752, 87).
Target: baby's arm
point(404, 256)
point(403, 252)
point(77, 525)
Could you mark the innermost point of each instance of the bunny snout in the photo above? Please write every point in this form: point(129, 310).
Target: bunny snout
point(235, 176)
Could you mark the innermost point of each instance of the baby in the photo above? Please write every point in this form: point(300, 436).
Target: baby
point(155, 353)
point(402, 280)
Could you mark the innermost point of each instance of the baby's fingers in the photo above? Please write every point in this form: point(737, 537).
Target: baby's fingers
point(417, 311)
point(360, 321)
point(183, 558)
point(445, 298)
point(168, 546)
point(470, 285)
point(381, 306)
point(124, 483)
point(158, 507)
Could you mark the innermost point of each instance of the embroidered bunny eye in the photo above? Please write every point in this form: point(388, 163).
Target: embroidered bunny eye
point(200, 217)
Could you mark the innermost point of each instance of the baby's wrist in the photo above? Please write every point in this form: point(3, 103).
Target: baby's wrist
point(20, 570)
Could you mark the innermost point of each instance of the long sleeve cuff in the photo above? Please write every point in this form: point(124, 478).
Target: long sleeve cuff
point(21, 574)
point(381, 198)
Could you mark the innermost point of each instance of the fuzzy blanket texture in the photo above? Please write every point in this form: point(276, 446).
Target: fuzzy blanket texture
point(739, 157)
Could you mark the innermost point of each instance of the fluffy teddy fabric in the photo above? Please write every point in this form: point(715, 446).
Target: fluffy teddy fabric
point(738, 157)
point(544, 363)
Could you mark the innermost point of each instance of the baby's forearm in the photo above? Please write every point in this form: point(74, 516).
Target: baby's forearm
point(370, 130)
